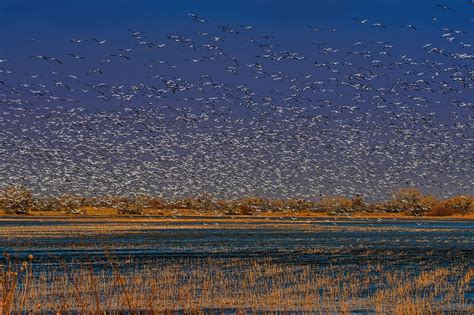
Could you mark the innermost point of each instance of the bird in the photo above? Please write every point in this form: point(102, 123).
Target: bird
point(75, 57)
point(46, 58)
point(241, 113)
point(99, 41)
point(379, 24)
point(196, 18)
point(361, 21)
point(411, 26)
point(443, 7)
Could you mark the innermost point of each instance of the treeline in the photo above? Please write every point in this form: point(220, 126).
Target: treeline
point(19, 200)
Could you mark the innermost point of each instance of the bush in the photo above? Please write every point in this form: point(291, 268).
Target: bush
point(358, 203)
point(335, 204)
point(441, 210)
point(71, 203)
point(129, 207)
point(46, 204)
point(454, 205)
point(16, 200)
point(244, 210)
point(408, 200)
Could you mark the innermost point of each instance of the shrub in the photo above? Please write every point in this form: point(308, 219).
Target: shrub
point(130, 210)
point(16, 200)
point(45, 204)
point(454, 205)
point(335, 204)
point(71, 203)
point(408, 200)
point(442, 210)
point(358, 203)
point(244, 210)
point(129, 206)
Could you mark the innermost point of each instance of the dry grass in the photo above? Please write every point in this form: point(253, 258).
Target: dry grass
point(197, 286)
point(103, 212)
point(241, 285)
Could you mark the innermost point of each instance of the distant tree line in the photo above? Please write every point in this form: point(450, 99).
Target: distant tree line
point(20, 200)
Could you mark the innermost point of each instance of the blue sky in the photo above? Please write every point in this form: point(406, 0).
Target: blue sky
point(46, 27)
point(56, 19)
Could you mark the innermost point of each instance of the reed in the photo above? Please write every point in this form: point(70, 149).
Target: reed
point(255, 285)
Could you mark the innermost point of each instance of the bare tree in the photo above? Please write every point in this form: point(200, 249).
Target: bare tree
point(16, 200)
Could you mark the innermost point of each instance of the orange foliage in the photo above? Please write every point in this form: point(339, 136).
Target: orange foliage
point(408, 201)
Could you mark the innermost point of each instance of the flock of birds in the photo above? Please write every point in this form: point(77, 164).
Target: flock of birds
point(228, 111)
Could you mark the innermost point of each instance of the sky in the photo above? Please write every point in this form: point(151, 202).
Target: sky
point(51, 20)
point(105, 29)
point(45, 27)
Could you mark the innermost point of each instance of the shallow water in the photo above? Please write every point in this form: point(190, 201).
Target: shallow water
point(314, 241)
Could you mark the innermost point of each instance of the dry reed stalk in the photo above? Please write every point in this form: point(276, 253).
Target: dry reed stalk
point(255, 285)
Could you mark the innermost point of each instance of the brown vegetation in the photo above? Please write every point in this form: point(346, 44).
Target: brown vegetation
point(15, 200)
point(238, 285)
point(407, 201)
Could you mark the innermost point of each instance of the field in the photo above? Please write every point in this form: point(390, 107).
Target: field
point(236, 265)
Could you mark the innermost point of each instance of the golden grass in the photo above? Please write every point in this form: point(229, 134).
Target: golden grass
point(242, 285)
point(111, 212)
point(197, 286)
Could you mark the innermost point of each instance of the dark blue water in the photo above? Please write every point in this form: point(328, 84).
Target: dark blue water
point(314, 241)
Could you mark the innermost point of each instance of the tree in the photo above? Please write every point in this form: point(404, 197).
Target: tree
point(205, 202)
point(16, 200)
point(130, 206)
point(454, 205)
point(462, 204)
point(358, 203)
point(71, 203)
point(409, 200)
point(157, 203)
point(428, 202)
point(336, 204)
point(46, 204)
point(244, 210)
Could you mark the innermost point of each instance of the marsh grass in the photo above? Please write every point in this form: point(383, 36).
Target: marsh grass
point(238, 285)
